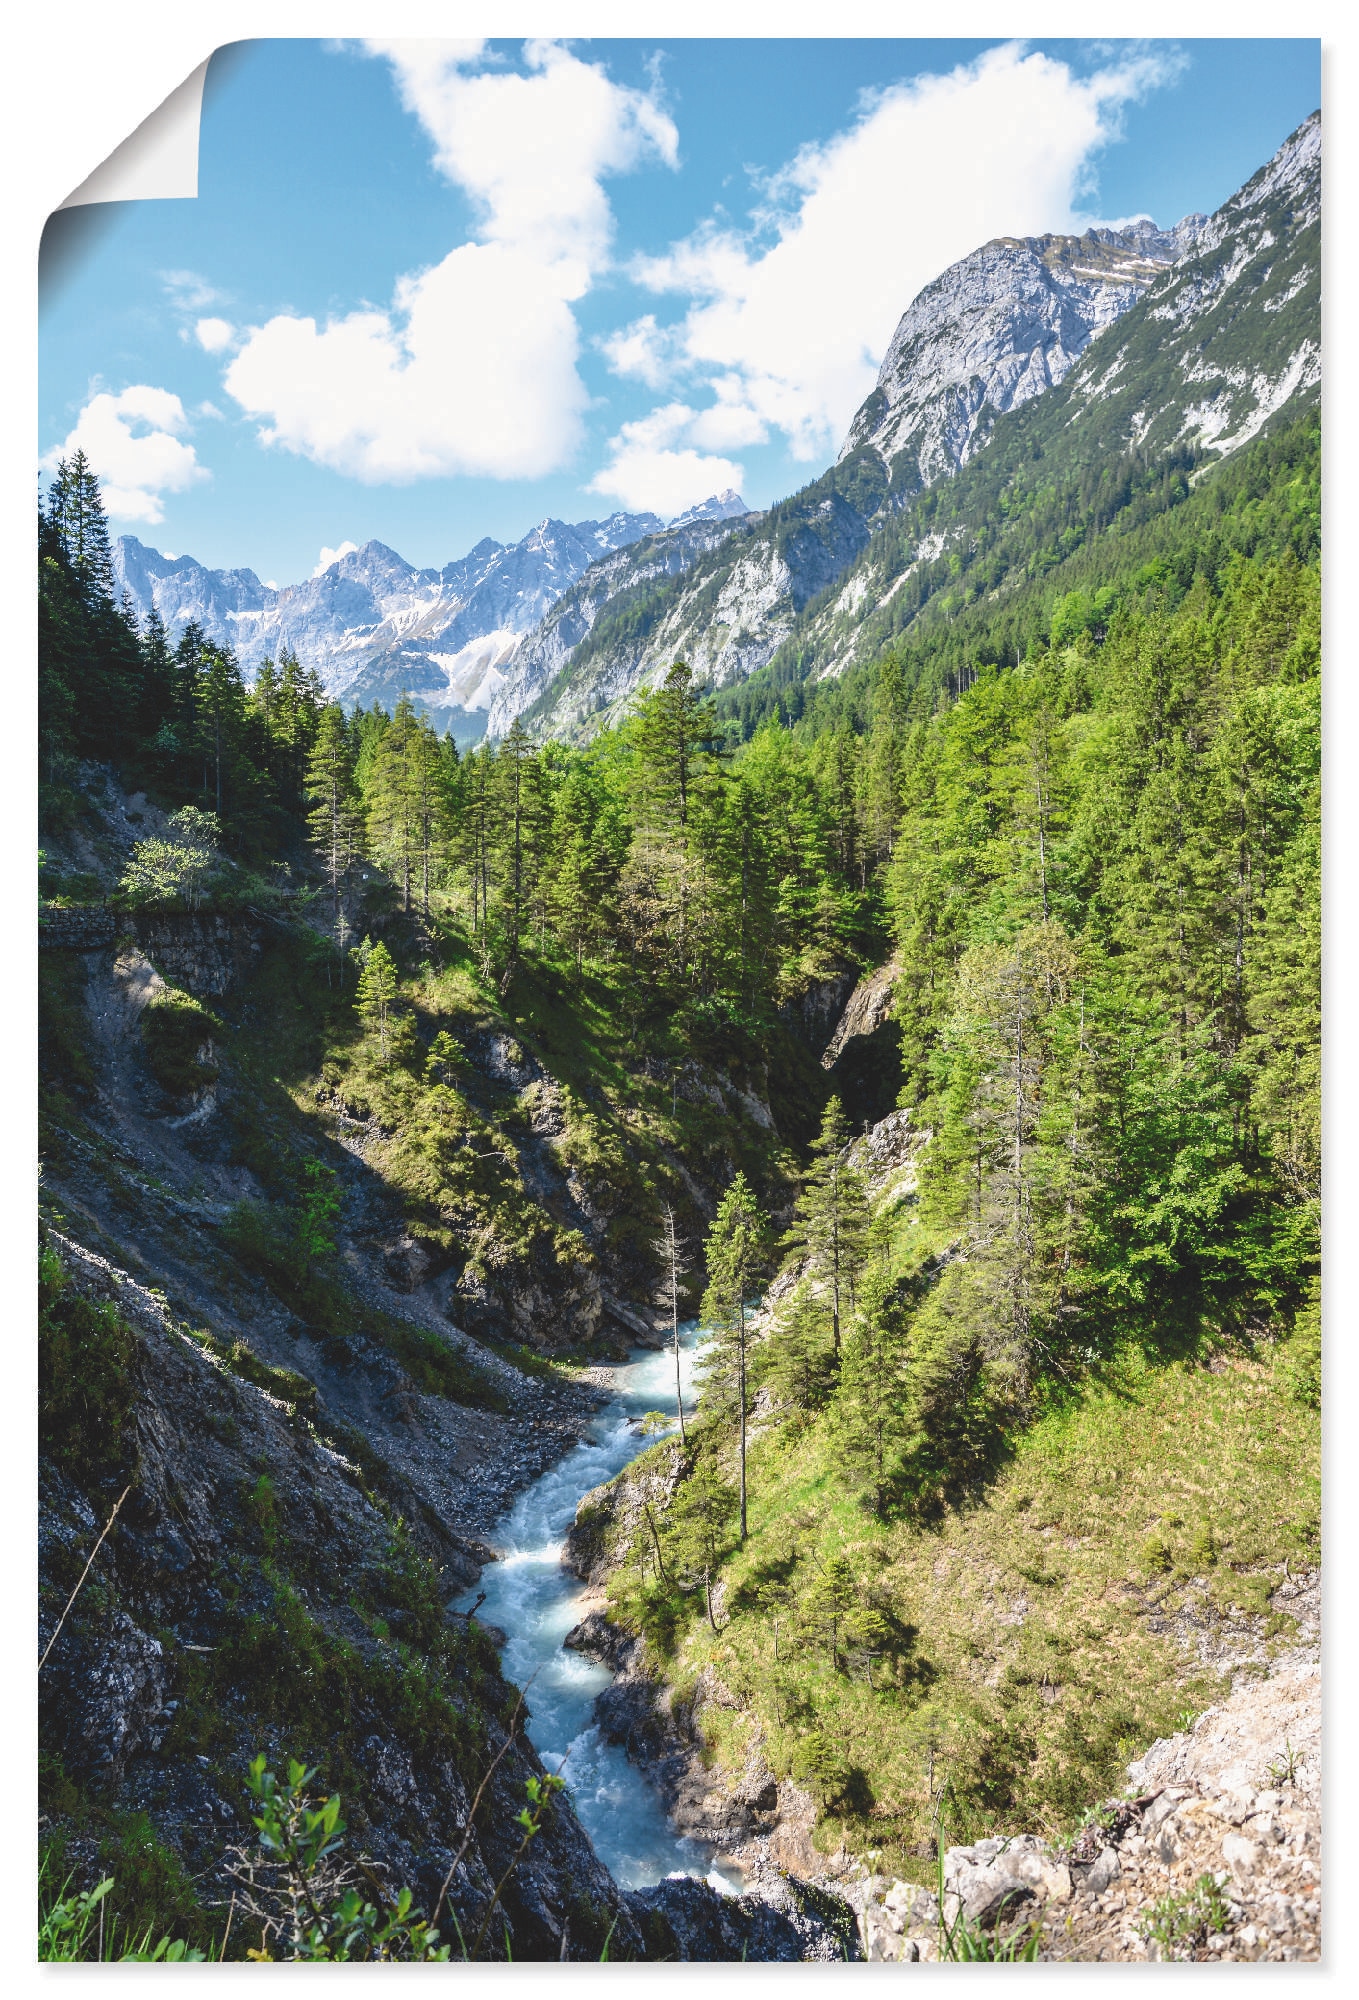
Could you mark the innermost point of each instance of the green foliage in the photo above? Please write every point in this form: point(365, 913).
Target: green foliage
point(308, 1904)
point(376, 993)
point(176, 869)
point(71, 1929)
point(177, 1033)
point(1302, 1353)
point(1182, 1922)
point(85, 1379)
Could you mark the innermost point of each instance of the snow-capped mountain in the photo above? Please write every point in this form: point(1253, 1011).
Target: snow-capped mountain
point(371, 624)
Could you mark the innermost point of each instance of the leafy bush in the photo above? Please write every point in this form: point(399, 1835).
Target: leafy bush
point(85, 1388)
point(177, 1035)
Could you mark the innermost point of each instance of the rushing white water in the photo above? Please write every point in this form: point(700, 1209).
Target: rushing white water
point(535, 1601)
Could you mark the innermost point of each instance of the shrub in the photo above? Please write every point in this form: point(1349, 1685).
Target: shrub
point(177, 1035)
point(85, 1389)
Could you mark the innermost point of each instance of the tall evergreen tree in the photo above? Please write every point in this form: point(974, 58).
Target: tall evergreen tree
point(830, 1220)
point(334, 822)
point(75, 507)
point(736, 1250)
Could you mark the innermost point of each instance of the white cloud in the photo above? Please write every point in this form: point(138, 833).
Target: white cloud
point(647, 471)
point(532, 150)
point(327, 557)
point(214, 334)
point(644, 351)
point(133, 443)
point(932, 168)
point(190, 291)
point(473, 367)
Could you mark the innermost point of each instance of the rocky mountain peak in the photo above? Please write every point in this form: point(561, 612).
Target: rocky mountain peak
point(718, 507)
point(1002, 325)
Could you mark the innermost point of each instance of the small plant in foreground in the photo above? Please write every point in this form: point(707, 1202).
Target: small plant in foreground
point(72, 1930)
point(961, 1941)
point(1181, 1924)
point(315, 1904)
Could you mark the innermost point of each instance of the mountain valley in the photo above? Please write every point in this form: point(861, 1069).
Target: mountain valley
point(854, 964)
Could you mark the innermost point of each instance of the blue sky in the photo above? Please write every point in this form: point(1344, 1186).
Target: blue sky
point(430, 292)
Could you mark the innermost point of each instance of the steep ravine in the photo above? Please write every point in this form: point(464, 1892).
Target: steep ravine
point(308, 1509)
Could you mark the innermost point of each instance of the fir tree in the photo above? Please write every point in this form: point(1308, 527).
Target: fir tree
point(375, 996)
point(736, 1249)
point(830, 1221)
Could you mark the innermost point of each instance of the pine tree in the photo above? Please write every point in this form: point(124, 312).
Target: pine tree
point(376, 993)
point(736, 1249)
point(334, 822)
point(698, 1525)
point(831, 1219)
point(75, 507)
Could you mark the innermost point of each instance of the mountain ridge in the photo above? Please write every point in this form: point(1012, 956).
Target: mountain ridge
point(374, 625)
point(1229, 331)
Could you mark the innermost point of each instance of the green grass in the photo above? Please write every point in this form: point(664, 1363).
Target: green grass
point(1014, 1657)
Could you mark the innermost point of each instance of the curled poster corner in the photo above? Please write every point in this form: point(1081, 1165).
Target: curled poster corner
point(157, 162)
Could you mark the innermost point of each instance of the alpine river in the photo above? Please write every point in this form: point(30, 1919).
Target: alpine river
point(536, 1601)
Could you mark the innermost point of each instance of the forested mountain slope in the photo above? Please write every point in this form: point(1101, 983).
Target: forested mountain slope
point(1210, 351)
point(374, 1076)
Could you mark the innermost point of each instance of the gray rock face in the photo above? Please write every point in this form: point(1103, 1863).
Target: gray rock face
point(782, 1920)
point(371, 624)
point(1003, 325)
point(615, 579)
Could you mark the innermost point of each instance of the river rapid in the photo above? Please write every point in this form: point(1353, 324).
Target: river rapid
point(536, 1601)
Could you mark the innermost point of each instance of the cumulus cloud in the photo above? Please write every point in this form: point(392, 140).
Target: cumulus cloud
point(644, 351)
point(214, 334)
point(800, 308)
point(134, 443)
point(651, 466)
point(473, 367)
point(329, 556)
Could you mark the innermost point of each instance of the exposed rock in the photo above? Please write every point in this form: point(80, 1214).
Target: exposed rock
point(204, 1439)
point(868, 1006)
point(999, 327)
point(888, 1154)
point(207, 955)
point(1232, 1803)
point(783, 1920)
point(819, 1006)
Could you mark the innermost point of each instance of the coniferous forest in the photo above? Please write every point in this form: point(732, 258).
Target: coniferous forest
point(1061, 1352)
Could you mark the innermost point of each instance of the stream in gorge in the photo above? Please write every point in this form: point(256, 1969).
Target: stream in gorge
point(535, 1601)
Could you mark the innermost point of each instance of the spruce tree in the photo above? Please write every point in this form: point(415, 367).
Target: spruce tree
point(75, 507)
point(376, 994)
point(333, 823)
point(831, 1220)
point(736, 1249)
